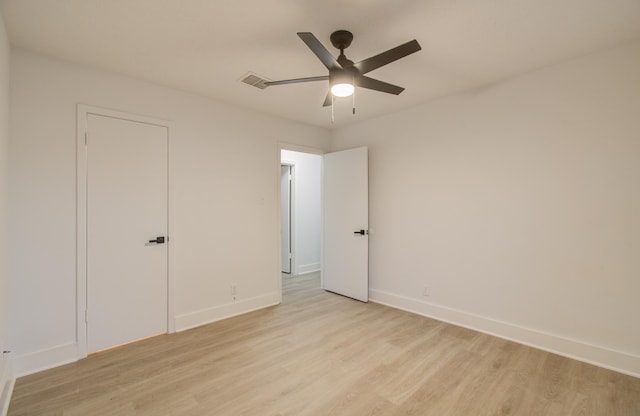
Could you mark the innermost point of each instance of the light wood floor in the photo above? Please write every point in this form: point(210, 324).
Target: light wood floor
point(322, 354)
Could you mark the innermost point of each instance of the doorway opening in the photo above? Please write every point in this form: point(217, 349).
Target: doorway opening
point(300, 213)
point(329, 221)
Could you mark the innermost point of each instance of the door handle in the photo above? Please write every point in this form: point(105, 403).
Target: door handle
point(361, 232)
point(158, 240)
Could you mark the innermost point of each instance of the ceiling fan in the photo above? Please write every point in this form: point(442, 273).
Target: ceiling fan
point(344, 74)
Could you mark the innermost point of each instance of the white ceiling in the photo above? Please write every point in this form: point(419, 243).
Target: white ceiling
point(206, 46)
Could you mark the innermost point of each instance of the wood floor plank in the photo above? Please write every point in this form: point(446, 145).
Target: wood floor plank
point(323, 354)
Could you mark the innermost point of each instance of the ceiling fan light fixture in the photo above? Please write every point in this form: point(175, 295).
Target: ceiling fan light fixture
point(342, 89)
point(341, 83)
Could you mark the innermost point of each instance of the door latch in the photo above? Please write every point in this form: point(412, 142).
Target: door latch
point(361, 232)
point(158, 240)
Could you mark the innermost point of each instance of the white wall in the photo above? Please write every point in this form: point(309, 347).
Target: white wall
point(223, 168)
point(518, 205)
point(307, 203)
point(5, 374)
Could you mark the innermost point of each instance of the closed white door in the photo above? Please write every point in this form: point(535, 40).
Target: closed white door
point(126, 210)
point(345, 248)
point(285, 217)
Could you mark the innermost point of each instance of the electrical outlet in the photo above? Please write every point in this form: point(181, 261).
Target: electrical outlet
point(426, 291)
point(233, 290)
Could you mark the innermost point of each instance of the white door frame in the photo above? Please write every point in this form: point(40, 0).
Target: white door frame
point(296, 148)
point(81, 218)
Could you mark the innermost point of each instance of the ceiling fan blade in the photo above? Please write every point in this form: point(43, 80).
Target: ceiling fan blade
point(297, 80)
point(387, 57)
point(328, 100)
point(374, 84)
point(319, 50)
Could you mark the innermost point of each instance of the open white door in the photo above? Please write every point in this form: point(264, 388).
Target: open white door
point(345, 255)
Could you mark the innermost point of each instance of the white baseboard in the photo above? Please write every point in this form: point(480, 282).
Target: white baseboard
point(7, 381)
point(603, 357)
point(209, 315)
point(308, 268)
point(67, 353)
point(45, 359)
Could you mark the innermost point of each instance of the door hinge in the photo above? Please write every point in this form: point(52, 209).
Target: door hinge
point(290, 256)
point(86, 137)
point(86, 316)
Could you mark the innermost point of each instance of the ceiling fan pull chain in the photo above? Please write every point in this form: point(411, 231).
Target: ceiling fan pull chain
point(333, 105)
point(354, 101)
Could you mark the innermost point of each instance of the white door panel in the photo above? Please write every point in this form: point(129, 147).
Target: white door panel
point(345, 268)
point(126, 208)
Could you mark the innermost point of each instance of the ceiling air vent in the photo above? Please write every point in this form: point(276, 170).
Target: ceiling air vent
point(255, 80)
